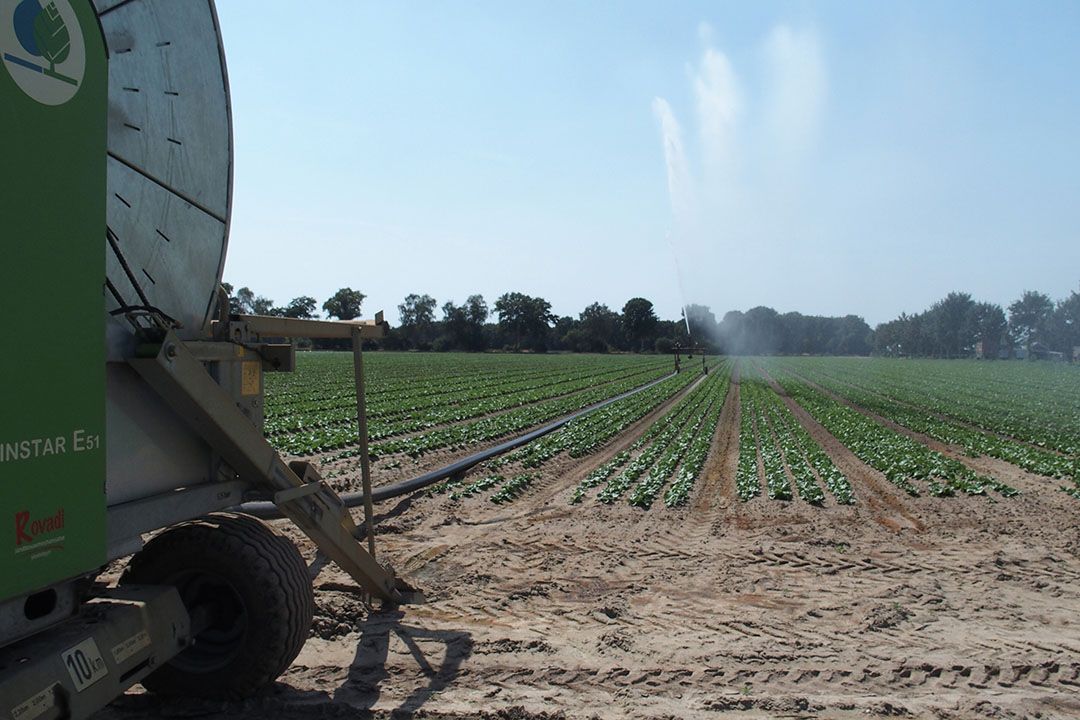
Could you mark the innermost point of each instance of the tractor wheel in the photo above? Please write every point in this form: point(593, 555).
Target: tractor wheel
point(247, 584)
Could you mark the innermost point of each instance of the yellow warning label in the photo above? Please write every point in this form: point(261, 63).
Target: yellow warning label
point(249, 377)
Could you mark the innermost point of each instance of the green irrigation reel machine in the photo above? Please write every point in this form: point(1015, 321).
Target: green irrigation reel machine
point(132, 398)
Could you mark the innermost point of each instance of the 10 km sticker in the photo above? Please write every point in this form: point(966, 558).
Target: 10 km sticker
point(84, 664)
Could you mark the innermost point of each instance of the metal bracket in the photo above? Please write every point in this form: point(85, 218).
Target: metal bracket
point(265, 326)
point(183, 382)
point(284, 496)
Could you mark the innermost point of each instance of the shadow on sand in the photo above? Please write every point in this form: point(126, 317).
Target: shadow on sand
point(368, 680)
point(368, 672)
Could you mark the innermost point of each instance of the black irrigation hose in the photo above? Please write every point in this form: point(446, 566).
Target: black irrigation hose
point(267, 510)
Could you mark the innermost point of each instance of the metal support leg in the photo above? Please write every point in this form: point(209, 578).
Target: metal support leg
point(361, 418)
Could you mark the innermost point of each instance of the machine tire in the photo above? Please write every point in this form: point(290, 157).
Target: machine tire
point(255, 585)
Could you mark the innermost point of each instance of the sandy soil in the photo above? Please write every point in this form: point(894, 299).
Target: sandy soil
point(896, 606)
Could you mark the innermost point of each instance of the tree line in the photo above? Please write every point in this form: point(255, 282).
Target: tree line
point(959, 326)
point(956, 326)
point(517, 322)
point(764, 331)
point(514, 322)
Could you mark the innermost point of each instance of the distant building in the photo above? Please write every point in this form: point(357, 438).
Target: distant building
point(1040, 351)
point(992, 350)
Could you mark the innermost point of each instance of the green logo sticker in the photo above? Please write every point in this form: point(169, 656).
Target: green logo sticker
point(42, 48)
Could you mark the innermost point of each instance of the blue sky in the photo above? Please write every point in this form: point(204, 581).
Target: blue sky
point(827, 157)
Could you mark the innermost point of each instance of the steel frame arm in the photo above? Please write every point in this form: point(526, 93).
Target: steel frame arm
point(270, 326)
point(184, 383)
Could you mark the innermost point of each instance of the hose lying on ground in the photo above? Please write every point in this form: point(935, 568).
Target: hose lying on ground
point(267, 510)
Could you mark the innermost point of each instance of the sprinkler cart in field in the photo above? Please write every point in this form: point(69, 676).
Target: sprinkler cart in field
point(133, 399)
point(689, 351)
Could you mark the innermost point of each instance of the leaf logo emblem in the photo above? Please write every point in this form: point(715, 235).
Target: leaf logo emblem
point(43, 48)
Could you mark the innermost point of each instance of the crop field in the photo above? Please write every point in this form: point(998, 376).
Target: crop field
point(420, 403)
point(777, 537)
point(422, 407)
point(426, 408)
point(1027, 415)
point(585, 435)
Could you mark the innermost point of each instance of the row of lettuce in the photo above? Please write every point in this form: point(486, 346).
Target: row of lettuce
point(773, 443)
